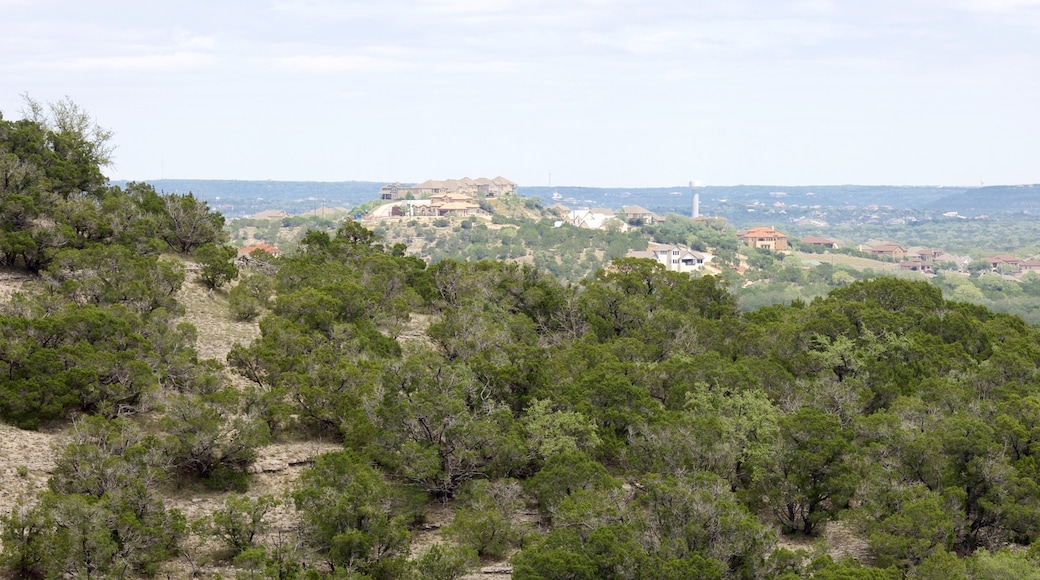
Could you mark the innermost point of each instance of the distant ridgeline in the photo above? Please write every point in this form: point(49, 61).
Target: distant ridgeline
point(992, 200)
point(244, 198)
point(237, 199)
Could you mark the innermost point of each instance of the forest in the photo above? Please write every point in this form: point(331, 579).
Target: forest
point(636, 423)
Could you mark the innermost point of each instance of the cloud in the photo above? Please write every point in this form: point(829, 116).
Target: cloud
point(335, 63)
point(1001, 6)
point(176, 60)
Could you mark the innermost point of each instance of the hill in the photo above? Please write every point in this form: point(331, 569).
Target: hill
point(991, 200)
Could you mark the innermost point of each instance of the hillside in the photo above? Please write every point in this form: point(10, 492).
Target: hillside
point(345, 409)
point(991, 200)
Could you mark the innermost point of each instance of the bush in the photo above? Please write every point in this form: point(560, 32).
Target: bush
point(207, 442)
point(240, 522)
point(484, 523)
point(443, 562)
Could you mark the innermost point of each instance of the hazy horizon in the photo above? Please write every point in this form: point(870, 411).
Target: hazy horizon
point(601, 93)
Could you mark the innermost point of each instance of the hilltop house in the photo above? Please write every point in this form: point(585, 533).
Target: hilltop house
point(673, 258)
point(635, 212)
point(481, 186)
point(593, 219)
point(916, 266)
point(763, 237)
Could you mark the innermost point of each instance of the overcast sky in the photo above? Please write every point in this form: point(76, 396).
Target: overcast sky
point(623, 93)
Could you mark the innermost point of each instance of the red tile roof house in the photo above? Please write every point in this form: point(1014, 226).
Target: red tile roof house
point(1004, 260)
point(764, 237)
point(1029, 266)
point(264, 247)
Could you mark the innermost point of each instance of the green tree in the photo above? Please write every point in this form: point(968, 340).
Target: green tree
point(351, 517)
point(217, 262)
point(188, 223)
point(812, 478)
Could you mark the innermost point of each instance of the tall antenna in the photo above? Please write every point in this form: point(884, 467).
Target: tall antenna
point(695, 187)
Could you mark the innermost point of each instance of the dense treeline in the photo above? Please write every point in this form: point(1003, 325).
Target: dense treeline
point(653, 428)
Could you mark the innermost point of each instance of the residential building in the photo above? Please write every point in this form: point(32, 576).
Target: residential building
point(916, 266)
point(765, 238)
point(674, 258)
point(635, 212)
point(885, 250)
point(821, 242)
point(481, 186)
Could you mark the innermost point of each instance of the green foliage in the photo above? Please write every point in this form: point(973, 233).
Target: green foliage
point(186, 223)
point(811, 479)
point(86, 359)
point(209, 441)
point(351, 517)
point(443, 562)
point(484, 521)
point(552, 432)
point(250, 297)
point(239, 523)
point(102, 515)
point(437, 432)
point(565, 474)
point(217, 266)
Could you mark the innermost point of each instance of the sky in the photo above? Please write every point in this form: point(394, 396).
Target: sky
point(607, 93)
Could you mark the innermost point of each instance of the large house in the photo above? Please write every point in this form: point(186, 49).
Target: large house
point(593, 219)
point(440, 204)
point(885, 249)
point(635, 212)
point(481, 186)
point(820, 242)
point(673, 258)
point(763, 237)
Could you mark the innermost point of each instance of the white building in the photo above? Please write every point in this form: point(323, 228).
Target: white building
point(674, 258)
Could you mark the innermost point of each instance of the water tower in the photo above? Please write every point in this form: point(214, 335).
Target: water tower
point(695, 187)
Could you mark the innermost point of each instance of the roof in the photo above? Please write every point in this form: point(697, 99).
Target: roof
point(762, 232)
point(886, 247)
point(271, 214)
point(1006, 258)
point(262, 247)
point(633, 209)
point(451, 205)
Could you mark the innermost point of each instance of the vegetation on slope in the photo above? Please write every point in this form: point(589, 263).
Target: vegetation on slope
point(652, 427)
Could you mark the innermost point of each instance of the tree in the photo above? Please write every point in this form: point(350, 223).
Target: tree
point(438, 431)
point(102, 514)
point(64, 142)
point(698, 514)
point(485, 520)
point(209, 441)
point(240, 522)
point(249, 297)
point(218, 267)
point(351, 517)
point(811, 479)
point(188, 223)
